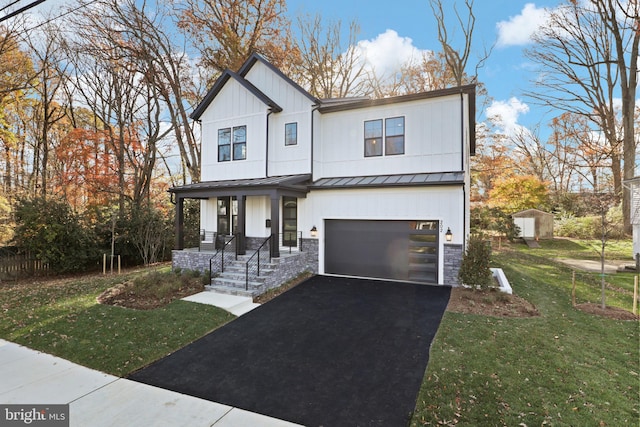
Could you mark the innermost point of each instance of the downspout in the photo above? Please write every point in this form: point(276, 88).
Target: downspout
point(266, 163)
point(313, 110)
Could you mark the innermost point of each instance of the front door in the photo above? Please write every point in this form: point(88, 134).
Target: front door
point(227, 215)
point(289, 221)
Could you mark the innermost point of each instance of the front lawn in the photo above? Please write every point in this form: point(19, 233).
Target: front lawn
point(63, 318)
point(562, 368)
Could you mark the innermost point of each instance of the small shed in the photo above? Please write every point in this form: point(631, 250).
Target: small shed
point(534, 223)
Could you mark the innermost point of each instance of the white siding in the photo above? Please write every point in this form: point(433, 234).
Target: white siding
point(234, 106)
point(296, 108)
point(208, 215)
point(635, 215)
point(258, 210)
point(445, 204)
point(433, 140)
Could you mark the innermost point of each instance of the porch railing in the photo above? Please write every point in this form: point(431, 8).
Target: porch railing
point(261, 256)
point(290, 240)
point(221, 254)
point(207, 240)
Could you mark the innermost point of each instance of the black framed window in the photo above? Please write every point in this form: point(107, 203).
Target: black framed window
point(240, 143)
point(291, 134)
point(224, 145)
point(373, 138)
point(394, 136)
point(289, 221)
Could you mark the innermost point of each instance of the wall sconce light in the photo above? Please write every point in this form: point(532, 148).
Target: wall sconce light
point(448, 235)
point(314, 232)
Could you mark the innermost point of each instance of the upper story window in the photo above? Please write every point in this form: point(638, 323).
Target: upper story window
point(291, 134)
point(239, 134)
point(224, 145)
point(393, 135)
point(240, 143)
point(373, 138)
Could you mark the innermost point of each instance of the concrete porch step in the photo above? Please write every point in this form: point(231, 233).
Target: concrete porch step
point(231, 291)
point(238, 283)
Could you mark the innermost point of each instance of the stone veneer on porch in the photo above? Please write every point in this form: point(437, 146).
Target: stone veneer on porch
point(287, 266)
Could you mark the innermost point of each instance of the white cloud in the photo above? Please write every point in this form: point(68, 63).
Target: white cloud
point(519, 29)
point(386, 53)
point(505, 114)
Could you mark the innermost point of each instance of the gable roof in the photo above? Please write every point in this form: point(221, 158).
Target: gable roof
point(530, 212)
point(221, 82)
point(254, 58)
point(240, 78)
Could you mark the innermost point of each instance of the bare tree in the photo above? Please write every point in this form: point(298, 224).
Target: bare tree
point(328, 67)
point(111, 83)
point(226, 32)
point(46, 51)
point(457, 60)
point(166, 69)
point(588, 53)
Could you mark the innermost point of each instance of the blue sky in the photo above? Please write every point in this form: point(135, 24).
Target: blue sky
point(393, 31)
point(393, 28)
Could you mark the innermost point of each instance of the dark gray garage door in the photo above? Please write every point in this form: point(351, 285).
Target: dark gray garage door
point(400, 250)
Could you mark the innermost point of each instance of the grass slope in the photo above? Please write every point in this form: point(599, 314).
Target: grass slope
point(563, 368)
point(63, 318)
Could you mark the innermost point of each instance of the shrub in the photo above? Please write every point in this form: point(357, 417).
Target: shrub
point(484, 218)
point(146, 232)
point(576, 227)
point(54, 234)
point(474, 270)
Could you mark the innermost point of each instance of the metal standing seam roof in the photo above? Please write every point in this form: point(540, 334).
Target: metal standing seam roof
point(274, 181)
point(442, 178)
point(363, 181)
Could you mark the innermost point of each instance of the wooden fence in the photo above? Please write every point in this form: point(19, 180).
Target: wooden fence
point(14, 266)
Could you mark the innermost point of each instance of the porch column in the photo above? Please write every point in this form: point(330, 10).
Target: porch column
point(275, 225)
point(241, 247)
point(179, 245)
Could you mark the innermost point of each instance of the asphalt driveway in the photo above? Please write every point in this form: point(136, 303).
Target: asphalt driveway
point(329, 352)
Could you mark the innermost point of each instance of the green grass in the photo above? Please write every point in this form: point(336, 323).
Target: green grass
point(585, 249)
point(65, 320)
point(563, 368)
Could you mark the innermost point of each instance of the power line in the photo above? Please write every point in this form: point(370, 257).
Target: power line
point(9, 5)
point(22, 9)
point(62, 15)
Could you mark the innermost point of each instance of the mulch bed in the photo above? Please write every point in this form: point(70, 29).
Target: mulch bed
point(608, 312)
point(490, 303)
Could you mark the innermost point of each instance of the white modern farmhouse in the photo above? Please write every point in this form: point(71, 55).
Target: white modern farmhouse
point(357, 187)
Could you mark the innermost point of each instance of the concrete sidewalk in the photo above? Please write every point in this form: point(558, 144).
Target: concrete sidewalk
point(237, 305)
point(97, 399)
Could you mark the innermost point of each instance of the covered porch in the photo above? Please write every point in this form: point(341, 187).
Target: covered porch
point(231, 208)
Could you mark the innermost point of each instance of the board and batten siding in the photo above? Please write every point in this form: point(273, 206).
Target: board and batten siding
point(442, 203)
point(433, 140)
point(234, 106)
point(296, 108)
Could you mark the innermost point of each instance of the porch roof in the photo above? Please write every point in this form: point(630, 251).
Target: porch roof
point(288, 185)
point(413, 179)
